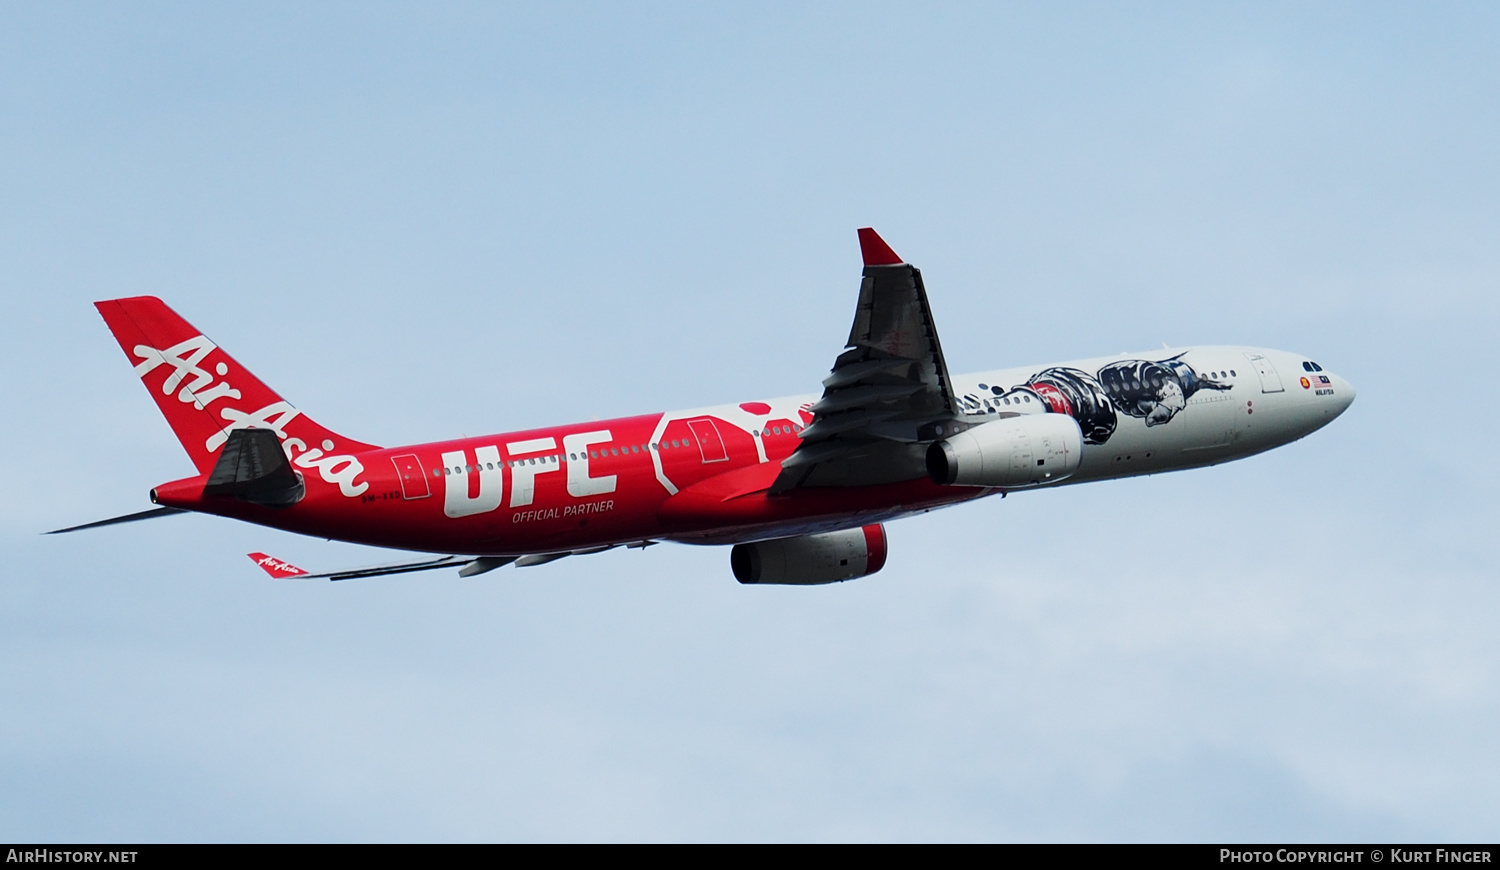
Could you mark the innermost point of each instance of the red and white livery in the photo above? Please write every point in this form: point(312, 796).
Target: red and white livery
point(801, 485)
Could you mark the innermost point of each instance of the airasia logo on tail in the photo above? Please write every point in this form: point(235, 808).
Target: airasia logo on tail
point(196, 386)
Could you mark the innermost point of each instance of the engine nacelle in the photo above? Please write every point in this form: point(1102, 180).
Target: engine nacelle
point(810, 560)
point(1029, 450)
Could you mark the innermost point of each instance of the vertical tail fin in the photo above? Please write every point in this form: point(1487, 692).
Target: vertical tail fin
point(200, 389)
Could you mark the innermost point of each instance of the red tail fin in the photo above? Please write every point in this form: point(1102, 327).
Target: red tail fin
point(200, 389)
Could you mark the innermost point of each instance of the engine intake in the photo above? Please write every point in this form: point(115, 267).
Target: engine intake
point(1016, 452)
point(811, 560)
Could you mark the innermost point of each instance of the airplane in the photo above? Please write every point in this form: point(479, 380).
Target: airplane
point(800, 487)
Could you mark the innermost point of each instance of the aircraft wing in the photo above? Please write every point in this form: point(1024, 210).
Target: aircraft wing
point(468, 566)
point(889, 392)
point(283, 570)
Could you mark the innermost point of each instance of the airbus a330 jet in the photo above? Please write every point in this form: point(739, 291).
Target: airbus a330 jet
point(801, 486)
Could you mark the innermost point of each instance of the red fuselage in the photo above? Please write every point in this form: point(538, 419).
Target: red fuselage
point(523, 492)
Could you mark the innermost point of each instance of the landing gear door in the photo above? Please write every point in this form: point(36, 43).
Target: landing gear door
point(1270, 382)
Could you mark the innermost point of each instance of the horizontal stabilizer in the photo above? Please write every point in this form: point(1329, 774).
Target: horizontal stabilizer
point(128, 518)
point(254, 468)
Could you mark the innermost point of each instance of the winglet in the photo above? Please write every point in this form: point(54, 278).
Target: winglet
point(875, 250)
point(278, 569)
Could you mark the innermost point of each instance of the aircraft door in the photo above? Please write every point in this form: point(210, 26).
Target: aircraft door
point(1270, 381)
point(413, 479)
point(710, 444)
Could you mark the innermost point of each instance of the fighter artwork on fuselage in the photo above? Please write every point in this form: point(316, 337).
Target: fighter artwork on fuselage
point(800, 486)
point(1152, 391)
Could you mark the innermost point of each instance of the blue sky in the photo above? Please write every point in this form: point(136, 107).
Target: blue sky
point(420, 221)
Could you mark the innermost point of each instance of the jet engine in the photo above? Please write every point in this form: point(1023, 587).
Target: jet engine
point(1029, 450)
point(810, 560)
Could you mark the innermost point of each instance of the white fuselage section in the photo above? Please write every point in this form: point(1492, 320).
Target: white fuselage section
point(1161, 410)
point(1246, 400)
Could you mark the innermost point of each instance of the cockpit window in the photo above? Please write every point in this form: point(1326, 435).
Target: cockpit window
point(1311, 367)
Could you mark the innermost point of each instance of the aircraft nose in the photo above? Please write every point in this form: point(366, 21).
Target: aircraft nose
point(1345, 394)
